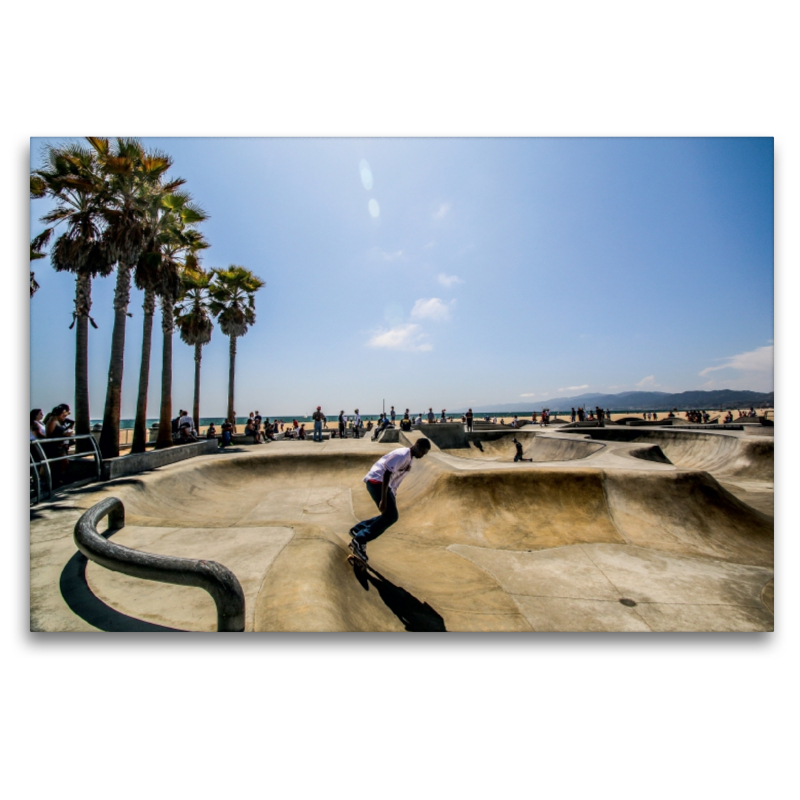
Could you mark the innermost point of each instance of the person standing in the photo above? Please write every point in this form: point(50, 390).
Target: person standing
point(431, 416)
point(382, 482)
point(444, 418)
point(469, 417)
point(357, 425)
point(342, 423)
point(391, 415)
point(318, 418)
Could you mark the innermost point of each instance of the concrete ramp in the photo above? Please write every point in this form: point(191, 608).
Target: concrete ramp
point(719, 453)
point(539, 447)
point(562, 544)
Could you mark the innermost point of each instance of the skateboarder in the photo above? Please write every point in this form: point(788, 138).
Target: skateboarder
point(382, 482)
point(518, 456)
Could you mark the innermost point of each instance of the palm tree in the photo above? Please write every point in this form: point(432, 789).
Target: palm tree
point(157, 273)
point(35, 255)
point(134, 180)
point(147, 279)
point(179, 247)
point(233, 303)
point(70, 175)
point(193, 318)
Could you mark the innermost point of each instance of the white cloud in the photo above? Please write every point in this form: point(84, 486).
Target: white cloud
point(442, 212)
point(429, 245)
point(401, 337)
point(528, 394)
point(758, 360)
point(573, 388)
point(648, 383)
point(448, 280)
point(385, 255)
point(433, 308)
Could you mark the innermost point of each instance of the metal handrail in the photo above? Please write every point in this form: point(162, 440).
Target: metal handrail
point(217, 580)
point(47, 460)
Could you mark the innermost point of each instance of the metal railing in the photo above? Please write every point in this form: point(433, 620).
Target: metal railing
point(44, 461)
point(217, 580)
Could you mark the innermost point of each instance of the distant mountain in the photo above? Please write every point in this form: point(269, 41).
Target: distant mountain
point(638, 401)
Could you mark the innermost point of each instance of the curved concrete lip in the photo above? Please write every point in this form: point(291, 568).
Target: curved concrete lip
point(613, 538)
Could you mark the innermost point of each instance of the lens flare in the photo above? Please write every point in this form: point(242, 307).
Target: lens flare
point(366, 174)
point(374, 208)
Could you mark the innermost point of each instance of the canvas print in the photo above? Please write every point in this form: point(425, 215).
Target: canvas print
point(401, 384)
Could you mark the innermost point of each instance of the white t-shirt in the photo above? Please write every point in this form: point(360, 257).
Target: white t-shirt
point(398, 462)
point(186, 420)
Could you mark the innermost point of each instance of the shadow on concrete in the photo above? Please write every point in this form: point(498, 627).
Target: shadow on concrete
point(414, 615)
point(83, 602)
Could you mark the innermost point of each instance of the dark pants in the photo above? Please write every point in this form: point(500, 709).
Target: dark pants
point(370, 529)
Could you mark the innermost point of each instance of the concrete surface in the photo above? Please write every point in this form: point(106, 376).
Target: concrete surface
point(658, 519)
point(133, 463)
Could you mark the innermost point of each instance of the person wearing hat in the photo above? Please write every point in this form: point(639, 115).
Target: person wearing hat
point(318, 418)
point(518, 456)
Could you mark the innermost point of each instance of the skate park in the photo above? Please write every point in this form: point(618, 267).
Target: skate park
point(608, 529)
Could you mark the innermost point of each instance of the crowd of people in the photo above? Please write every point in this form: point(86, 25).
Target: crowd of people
point(52, 432)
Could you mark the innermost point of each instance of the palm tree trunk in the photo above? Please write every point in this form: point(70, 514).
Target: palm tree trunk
point(109, 438)
point(198, 357)
point(165, 417)
point(83, 305)
point(231, 376)
point(140, 425)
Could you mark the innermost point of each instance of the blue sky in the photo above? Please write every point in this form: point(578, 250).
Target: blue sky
point(448, 272)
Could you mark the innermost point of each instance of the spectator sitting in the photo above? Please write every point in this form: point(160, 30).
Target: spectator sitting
point(382, 425)
point(301, 433)
point(250, 429)
point(227, 432)
point(186, 429)
point(211, 433)
point(186, 435)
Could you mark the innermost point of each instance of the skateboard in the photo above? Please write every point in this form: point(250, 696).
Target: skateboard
point(356, 562)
